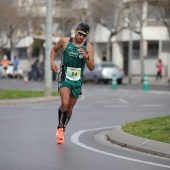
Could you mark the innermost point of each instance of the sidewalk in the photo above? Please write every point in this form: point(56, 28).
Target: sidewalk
point(123, 139)
point(29, 100)
point(151, 81)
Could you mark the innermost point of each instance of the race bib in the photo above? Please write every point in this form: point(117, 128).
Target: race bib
point(73, 73)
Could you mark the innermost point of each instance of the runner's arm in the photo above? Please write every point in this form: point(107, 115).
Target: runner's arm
point(53, 54)
point(89, 57)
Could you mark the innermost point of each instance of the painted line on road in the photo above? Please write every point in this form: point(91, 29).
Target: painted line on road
point(75, 140)
point(81, 107)
point(113, 106)
point(152, 105)
point(123, 100)
point(159, 92)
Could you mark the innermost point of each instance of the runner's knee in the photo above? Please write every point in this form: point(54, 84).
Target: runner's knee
point(65, 105)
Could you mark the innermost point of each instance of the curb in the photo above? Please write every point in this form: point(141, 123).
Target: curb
point(29, 100)
point(123, 139)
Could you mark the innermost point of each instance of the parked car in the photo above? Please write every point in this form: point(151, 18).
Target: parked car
point(10, 70)
point(103, 72)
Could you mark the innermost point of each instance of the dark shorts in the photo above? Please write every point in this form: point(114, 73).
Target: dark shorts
point(15, 69)
point(74, 89)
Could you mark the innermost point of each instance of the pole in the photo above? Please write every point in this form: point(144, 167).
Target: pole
point(114, 81)
point(48, 73)
point(130, 51)
point(145, 83)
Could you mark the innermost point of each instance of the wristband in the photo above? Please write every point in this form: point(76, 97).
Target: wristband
point(87, 58)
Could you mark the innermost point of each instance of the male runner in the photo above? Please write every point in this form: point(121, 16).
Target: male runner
point(77, 53)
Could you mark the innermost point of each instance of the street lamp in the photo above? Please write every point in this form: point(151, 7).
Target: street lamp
point(130, 48)
point(48, 73)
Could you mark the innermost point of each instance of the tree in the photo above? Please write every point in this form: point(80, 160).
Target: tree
point(111, 14)
point(159, 10)
point(139, 18)
point(13, 27)
point(66, 15)
point(162, 12)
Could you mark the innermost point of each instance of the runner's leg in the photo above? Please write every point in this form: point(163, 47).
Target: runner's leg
point(66, 119)
point(62, 112)
point(65, 97)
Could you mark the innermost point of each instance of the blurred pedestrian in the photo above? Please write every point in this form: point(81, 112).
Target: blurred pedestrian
point(5, 63)
point(159, 69)
point(35, 72)
point(41, 69)
point(15, 70)
point(77, 53)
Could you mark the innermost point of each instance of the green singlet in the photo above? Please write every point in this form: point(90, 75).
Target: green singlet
point(71, 69)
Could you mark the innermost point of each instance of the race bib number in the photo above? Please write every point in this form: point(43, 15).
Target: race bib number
point(73, 73)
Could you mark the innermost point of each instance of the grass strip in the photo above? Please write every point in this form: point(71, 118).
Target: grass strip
point(18, 94)
point(157, 129)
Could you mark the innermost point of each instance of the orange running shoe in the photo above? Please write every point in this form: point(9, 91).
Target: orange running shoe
point(58, 141)
point(60, 135)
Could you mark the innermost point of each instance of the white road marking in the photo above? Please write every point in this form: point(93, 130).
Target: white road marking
point(80, 107)
point(110, 106)
point(123, 100)
point(102, 102)
point(153, 105)
point(75, 140)
point(11, 117)
point(160, 92)
point(43, 107)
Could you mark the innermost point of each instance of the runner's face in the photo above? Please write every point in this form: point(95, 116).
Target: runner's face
point(80, 36)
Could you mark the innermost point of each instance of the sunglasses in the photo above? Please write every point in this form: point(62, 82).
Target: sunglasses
point(82, 33)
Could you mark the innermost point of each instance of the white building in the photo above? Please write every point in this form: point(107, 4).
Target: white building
point(156, 39)
point(156, 43)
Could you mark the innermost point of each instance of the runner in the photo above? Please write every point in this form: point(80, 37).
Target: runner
point(77, 53)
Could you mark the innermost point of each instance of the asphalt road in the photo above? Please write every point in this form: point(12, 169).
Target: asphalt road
point(27, 131)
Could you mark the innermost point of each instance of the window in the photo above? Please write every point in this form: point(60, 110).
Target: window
point(136, 49)
point(22, 53)
point(152, 49)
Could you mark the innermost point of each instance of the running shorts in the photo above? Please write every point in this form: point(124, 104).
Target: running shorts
point(74, 88)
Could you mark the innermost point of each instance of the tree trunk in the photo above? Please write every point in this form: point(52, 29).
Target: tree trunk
point(110, 48)
point(141, 55)
point(108, 51)
point(12, 51)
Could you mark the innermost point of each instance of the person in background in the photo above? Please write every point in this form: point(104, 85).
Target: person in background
point(35, 72)
point(15, 71)
point(159, 70)
point(5, 63)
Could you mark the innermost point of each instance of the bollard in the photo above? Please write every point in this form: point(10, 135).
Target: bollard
point(114, 81)
point(145, 83)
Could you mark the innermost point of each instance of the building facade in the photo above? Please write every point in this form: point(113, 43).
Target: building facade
point(155, 40)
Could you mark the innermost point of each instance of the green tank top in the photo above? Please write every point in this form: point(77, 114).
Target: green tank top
point(72, 64)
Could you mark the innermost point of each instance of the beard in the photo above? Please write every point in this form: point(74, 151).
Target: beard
point(78, 41)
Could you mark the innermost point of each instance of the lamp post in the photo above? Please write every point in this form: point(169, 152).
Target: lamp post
point(48, 73)
point(130, 48)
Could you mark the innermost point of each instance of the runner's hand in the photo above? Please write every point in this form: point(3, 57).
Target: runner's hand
point(83, 53)
point(54, 67)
